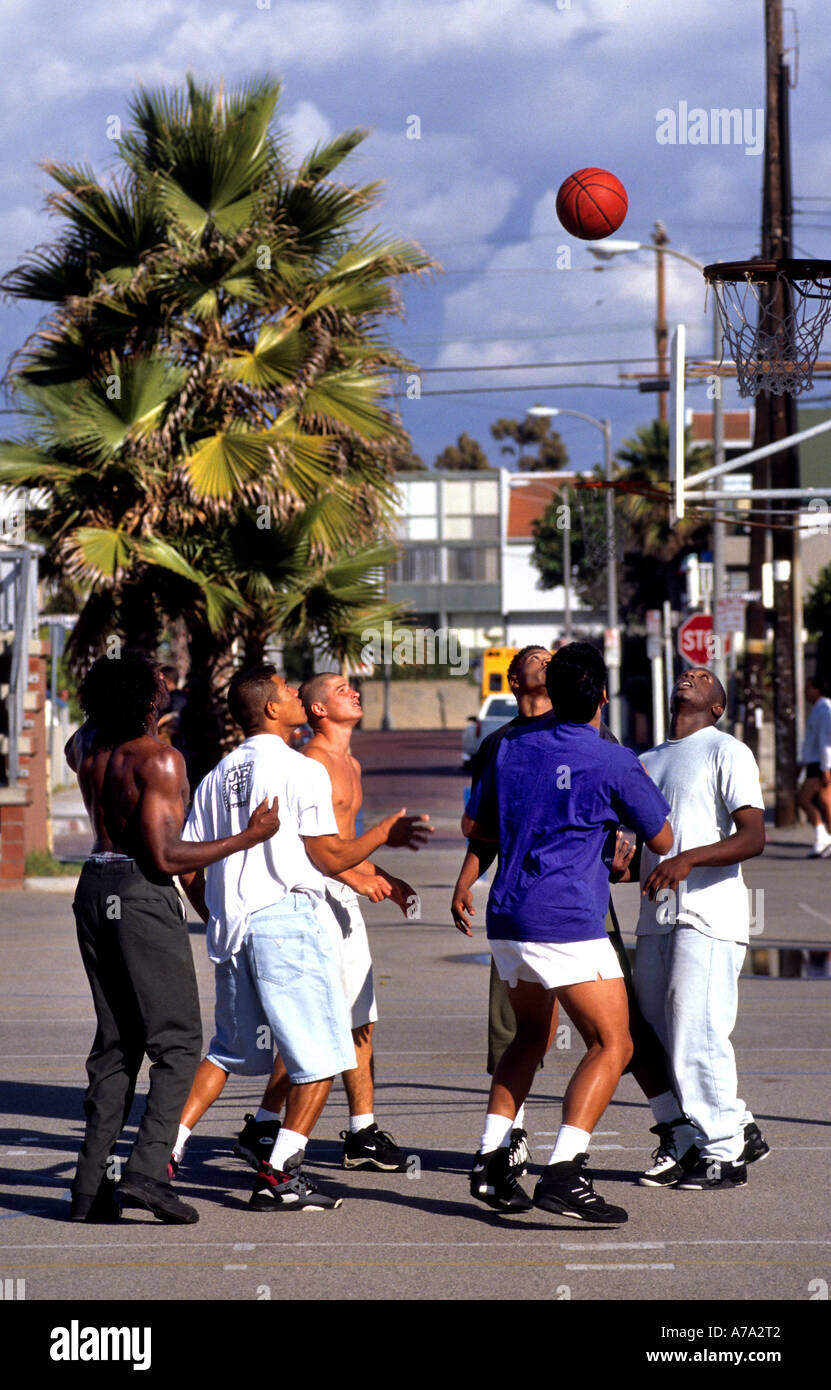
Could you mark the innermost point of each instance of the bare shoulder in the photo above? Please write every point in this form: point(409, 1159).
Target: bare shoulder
point(158, 765)
point(314, 749)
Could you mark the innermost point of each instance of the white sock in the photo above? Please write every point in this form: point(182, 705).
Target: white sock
point(181, 1139)
point(821, 836)
point(263, 1115)
point(665, 1108)
point(287, 1144)
point(569, 1143)
point(496, 1134)
point(359, 1122)
point(519, 1118)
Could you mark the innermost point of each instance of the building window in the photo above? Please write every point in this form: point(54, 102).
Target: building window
point(473, 565)
point(420, 565)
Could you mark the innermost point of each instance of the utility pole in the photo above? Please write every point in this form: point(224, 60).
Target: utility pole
point(775, 418)
point(660, 239)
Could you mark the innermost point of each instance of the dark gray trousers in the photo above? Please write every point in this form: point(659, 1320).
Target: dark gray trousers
point(137, 955)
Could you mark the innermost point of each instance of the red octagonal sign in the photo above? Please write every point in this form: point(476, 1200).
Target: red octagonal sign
point(695, 639)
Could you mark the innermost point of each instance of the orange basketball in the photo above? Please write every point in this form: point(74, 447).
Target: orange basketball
point(592, 204)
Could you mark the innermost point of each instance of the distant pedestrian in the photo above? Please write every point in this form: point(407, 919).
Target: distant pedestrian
point(815, 792)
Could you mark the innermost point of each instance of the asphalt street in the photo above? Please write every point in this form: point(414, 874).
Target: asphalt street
point(418, 1235)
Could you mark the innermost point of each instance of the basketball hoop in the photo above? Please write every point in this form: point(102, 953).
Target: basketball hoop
point(773, 338)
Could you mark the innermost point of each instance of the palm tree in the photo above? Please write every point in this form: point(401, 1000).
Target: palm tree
point(216, 351)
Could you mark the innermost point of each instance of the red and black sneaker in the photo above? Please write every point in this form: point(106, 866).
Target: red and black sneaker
point(288, 1190)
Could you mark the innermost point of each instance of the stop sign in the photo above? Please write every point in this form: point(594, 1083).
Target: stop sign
point(695, 639)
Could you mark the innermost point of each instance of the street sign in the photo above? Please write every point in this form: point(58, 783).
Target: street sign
point(695, 639)
point(731, 613)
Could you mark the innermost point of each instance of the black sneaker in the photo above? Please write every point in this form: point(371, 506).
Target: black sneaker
point(255, 1141)
point(495, 1181)
point(519, 1154)
point(371, 1148)
point(712, 1173)
point(755, 1146)
point(667, 1167)
point(288, 1190)
point(565, 1189)
point(137, 1190)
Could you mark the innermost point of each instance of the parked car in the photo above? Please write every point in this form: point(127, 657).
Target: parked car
point(496, 710)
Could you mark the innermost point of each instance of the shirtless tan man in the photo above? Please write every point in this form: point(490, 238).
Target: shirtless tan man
point(133, 937)
point(333, 709)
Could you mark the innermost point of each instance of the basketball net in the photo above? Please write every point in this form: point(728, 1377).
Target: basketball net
point(774, 349)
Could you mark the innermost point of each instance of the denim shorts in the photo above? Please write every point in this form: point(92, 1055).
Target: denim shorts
point(283, 986)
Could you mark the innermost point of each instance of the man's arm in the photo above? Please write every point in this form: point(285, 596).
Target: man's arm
point(747, 841)
point(332, 854)
point(160, 821)
point(478, 859)
point(194, 888)
point(367, 880)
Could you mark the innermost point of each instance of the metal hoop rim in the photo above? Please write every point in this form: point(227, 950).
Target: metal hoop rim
point(815, 269)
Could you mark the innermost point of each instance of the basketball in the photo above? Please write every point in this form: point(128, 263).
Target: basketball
point(592, 204)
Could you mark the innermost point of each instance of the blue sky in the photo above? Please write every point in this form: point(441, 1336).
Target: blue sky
point(510, 96)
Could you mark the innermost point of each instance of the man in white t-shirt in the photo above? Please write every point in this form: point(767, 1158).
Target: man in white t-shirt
point(693, 932)
point(277, 972)
point(815, 792)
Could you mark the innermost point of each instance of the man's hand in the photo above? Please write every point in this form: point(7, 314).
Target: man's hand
point(624, 851)
point(374, 886)
point(668, 874)
point(404, 831)
point(263, 822)
point(461, 905)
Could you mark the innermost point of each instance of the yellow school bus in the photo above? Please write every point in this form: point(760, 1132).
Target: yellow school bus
point(495, 663)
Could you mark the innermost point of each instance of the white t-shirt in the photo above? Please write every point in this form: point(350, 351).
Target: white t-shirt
point(816, 747)
point(244, 882)
point(705, 777)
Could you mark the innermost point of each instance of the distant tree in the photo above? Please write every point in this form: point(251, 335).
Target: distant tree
point(648, 550)
point(818, 603)
point(551, 455)
point(465, 455)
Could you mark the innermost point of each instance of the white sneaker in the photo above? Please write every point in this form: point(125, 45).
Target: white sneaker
point(667, 1167)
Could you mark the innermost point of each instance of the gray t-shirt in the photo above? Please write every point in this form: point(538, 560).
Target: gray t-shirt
point(705, 777)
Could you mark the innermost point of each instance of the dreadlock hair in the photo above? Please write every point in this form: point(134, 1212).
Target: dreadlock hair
point(118, 694)
point(575, 680)
point(518, 658)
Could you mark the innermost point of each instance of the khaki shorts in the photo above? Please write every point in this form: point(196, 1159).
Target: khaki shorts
point(350, 937)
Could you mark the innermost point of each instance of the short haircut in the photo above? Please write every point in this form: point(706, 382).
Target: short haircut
point(170, 674)
point(575, 680)
point(519, 657)
point(316, 689)
point(249, 693)
point(118, 694)
point(820, 682)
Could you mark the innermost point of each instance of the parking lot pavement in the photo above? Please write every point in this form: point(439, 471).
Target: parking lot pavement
point(418, 1235)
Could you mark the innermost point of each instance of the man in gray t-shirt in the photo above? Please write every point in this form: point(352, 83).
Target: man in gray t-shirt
point(693, 931)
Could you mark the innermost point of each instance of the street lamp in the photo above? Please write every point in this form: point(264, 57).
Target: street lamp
point(606, 251)
point(613, 642)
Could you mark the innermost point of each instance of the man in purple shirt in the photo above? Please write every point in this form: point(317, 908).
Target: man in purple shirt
point(552, 798)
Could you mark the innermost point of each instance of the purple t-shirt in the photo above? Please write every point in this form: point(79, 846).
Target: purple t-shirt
point(554, 794)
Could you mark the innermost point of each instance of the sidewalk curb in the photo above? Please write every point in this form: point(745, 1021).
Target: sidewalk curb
point(59, 883)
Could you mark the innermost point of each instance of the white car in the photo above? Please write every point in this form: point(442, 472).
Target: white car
point(496, 710)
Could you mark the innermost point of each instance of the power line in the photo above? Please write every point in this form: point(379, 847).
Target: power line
point(533, 366)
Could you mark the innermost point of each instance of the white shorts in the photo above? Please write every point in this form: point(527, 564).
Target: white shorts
point(349, 934)
point(555, 963)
